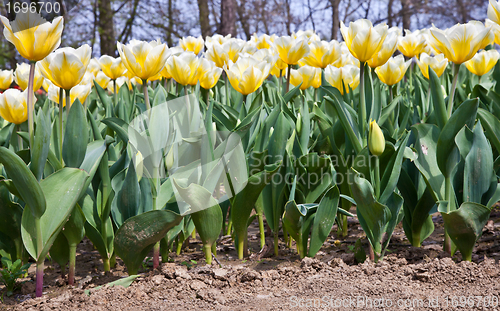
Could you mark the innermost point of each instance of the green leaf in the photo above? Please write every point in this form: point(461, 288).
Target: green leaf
point(74, 230)
point(465, 226)
point(119, 126)
point(324, 219)
point(124, 282)
point(491, 126)
point(208, 223)
point(465, 114)
point(76, 136)
point(391, 175)
point(138, 234)
point(41, 145)
point(127, 200)
point(373, 216)
point(438, 99)
point(26, 184)
point(62, 190)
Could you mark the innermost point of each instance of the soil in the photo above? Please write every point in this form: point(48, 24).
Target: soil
point(408, 278)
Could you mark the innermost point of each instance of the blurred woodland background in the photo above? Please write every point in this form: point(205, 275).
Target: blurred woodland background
point(100, 23)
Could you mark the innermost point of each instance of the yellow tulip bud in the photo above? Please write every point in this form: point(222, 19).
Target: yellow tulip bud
point(482, 62)
point(13, 106)
point(438, 63)
point(393, 71)
point(210, 74)
point(33, 36)
point(376, 140)
point(362, 39)
point(6, 78)
point(169, 159)
point(21, 76)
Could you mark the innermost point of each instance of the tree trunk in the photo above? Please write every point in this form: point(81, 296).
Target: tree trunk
point(170, 41)
point(106, 28)
point(389, 13)
point(243, 18)
point(204, 18)
point(406, 13)
point(335, 19)
point(228, 18)
point(462, 11)
point(288, 17)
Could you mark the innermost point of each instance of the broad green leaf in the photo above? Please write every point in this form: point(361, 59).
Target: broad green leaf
point(74, 230)
point(127, 199)
point(41, 145)
point(62, 190)
point(324, 219)
point(26, 184)
point(438, 99)
point(390, 177)
point(76, 136)
point(138, 234)
point(491, 126)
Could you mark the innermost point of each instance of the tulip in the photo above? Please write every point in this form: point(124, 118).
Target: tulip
point(184, 68)
point(412, 44)
point(393, 71)
point(347, 76)
point(388, 48)
point(494, 11)
point(482, 62)
point(13, 106)
point(119, 83)
point(376, 140)
point(438, 63)
point(458, 43)
point(6, 78)
point(209, 74)
point(216, 39)
point(66, 66)
point(192, 44)
point(362, 39)
point(291, 50)
point(33, 36)
point(112, 67)
point(247, 74)
point(221, 54)
point(21, 76)
point(322, 53)
point(143, 59)
point(490, 37)
point(309, 35)
point(495, 28)
point(307, 75)
point(80, 92)
point(262, 42)
point(94, 66)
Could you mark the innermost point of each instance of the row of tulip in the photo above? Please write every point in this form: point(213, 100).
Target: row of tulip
point(155, 146)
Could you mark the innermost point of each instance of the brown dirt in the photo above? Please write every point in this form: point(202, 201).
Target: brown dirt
point(409, 278)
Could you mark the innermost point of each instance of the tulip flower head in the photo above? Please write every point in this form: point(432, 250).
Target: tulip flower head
point(376, 140)
point(81, 91)
point(482, 62)
point(13, 106)
point(438, 63)
point(247, 74)
point(6, 78)
point(184, 68)
point(322, 53)
point(66, 66)
point(388, 48)
point(221, 54)
point(307, 75)
point(192, 44)
point(21, 76)
point(143, 59)
point(119, 83)
point(344, 77)
point(458, 43)
point(412, 44)
point(291, 50)
point(393, 71)
point(495, 29)
point(94, 67)
point(262, 42)
point(362, 39)
point(209, 74)
point(33, 36)
point(112, 67)
point(102, 79)
point(220, 39)
point(494, 11)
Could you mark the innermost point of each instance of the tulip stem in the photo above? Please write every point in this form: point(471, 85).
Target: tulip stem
point(115, 100)
point(39, 261)
point(146, 95)
point(226, 84)
point(456, 68)
point(30, 104)
point(362, 104)
point(68, 105)
point(377, 178)
point(61, 103)
point(288, 78)
point(72, 264)
point(19, 138)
